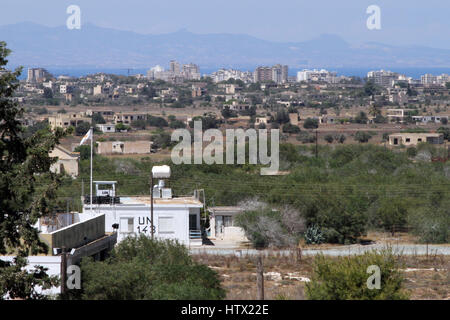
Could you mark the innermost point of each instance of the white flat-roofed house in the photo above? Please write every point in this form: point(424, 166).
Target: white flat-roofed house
point(106, 127)
point(175, 218)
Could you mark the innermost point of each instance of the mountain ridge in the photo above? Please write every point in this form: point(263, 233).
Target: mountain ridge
point(92, 46)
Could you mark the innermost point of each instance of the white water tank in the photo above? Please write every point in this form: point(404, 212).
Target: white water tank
point(161, 172)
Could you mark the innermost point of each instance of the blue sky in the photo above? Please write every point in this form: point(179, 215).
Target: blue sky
point(403, 22)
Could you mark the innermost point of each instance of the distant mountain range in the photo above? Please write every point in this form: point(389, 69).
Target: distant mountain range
point(96, 47)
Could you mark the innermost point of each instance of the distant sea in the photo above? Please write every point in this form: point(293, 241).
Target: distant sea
point(359, 72)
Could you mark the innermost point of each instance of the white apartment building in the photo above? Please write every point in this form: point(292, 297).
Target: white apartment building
point(429, 79)
point(384, 78)
point(316, 75)
point(226, 74)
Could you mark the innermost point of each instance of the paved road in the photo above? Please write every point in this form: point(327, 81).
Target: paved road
point(405, 249)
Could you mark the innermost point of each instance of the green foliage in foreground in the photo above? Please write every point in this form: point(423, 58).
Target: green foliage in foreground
point(346, 278)
point(24, 159)
point(142, 268)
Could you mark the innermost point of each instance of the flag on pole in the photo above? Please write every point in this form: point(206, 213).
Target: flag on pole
point(87, 136)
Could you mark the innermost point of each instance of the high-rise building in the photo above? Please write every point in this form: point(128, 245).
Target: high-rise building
point(383, 78)
point(263, 74)
point(316, 75)
point(175, 67)
point(277, 73)
point(191, 71)
point(37, 75)
point(428, 79)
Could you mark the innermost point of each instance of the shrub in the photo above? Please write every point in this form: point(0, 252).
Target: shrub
point(156, 122)
point(445, 131)
point(139, 124)
point(346, 278)
point(340, 138)
point(177, 124)
point(142, 268)
point(328, 138)
point(122, 127)
point(432, 225)
point(82, 128)
point(313, 235)
point(411, 152)
point(290, 128)
point(311, 123)
point(392, 213)
point(362, 136)
point(85, 152)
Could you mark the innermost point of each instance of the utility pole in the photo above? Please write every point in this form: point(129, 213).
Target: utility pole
point(151, 205)
point(260, 278)
point(317, 154)
point(63, 272)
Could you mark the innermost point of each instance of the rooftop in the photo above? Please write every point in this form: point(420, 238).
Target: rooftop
point(187, 200)
point(403, 134)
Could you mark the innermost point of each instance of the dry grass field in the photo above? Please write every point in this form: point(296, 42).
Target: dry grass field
point(425, 277)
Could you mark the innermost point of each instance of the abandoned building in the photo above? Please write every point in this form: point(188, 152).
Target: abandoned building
point(124, 147)
point(67, 161)
point(412, 139)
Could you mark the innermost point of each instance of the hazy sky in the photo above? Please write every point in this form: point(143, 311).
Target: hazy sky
point(402, 21)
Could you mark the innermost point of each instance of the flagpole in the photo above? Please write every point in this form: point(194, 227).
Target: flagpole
point(92, 139)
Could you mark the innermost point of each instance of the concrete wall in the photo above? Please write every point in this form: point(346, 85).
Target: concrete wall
point(77, 234)
point(129, 147)
point(137, 147)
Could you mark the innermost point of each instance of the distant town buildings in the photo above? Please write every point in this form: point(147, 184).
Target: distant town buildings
point(176, 72)
point(316, 75)
point(68, 119)
point(277, 73)
point(383, 78)
point(429, 79)
point(227, 74)
point(37, 75)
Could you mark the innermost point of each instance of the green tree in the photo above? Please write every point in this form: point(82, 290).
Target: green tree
point(445, 131)
point(24, 201)
point(362, 136)
point(82, 128)
point(139, 124)
point(290, 128)
point(157, 122)
point(361, 118)
point(121, 127)
point(48, 93)
point(311, 123)
point(227, 112)
point(85, 152)
point(282, 117)
point(328, 138)
point(392, 213)
point(370, 88)
point(346, 278)
point(177, 124)
point(97, 118)
point(142, 268)
point(340, 138)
